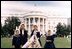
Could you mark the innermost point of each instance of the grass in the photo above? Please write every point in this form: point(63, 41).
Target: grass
point(59, 42)
point(6, 43)
point(62, 43)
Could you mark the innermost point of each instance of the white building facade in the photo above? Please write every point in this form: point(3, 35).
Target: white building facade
point(43, 21)
point(69, 21)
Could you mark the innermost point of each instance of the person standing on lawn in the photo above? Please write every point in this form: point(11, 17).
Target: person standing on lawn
point(36, 32)
point(16, 41)
point(49, 40)
point(23, 34)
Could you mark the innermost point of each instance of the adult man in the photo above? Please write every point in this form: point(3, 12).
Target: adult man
point(36, 32)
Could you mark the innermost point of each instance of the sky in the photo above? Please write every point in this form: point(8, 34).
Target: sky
point(50, 7)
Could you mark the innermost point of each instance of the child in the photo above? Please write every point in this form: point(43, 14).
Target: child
point(49, 40)
point(16, 42)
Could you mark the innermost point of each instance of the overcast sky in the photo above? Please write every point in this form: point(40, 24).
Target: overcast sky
point(50, 7)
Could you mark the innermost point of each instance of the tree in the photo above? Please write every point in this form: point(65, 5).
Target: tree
point(59, 29)
point(63, 30)
point(68, 30)
point(5, 31)
point(1, 30)
point(10, 25)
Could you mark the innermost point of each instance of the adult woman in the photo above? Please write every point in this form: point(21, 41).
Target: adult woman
point(23, 34)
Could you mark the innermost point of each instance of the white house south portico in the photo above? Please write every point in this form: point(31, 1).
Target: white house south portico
point(42, 20)
point(35, 17)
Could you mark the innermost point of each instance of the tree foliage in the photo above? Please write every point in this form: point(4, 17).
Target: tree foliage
point(63, 30)
point(10, 25)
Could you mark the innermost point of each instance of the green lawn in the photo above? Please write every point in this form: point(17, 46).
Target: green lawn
point(6, 43)
point(59, 42)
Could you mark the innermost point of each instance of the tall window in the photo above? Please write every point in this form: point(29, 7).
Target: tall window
point(44, 21)
point(36, 20)
point(27, 20)
point(31, 20)
point(41, 20)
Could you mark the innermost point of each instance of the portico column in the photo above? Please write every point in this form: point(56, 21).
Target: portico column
point(25, 23)
point(29, 26)
point(43, 25)
point(34, 19)
point(46, 25)
point(39, 24)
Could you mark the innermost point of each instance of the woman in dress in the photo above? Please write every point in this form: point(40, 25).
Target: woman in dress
point(49, 40)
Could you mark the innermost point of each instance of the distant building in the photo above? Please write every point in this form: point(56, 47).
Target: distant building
point(43, 21)
point(69, 21)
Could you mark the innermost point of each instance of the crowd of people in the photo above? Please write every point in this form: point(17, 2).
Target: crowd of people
point(20, 37)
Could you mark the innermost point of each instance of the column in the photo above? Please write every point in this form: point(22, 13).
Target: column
point(29, 27)
point(39, 23)
point(25, 23)
point(34, 20)
point(47, 25)
point(43, 25)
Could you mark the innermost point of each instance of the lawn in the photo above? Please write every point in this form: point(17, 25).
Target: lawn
point(6, 43)
point(59, 42)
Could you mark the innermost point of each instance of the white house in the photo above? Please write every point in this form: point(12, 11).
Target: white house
point(43, 21)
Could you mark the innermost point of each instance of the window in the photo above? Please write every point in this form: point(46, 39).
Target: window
point(31, 20)
point(27, 20)
point(41, 20)
point(44, 21)
point(36, 20)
